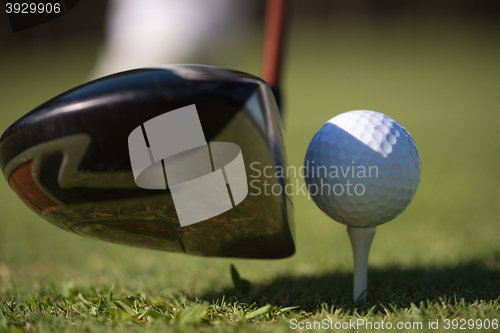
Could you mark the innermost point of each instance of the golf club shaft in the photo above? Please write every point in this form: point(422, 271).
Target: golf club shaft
point(361, 241)
point(275, 28)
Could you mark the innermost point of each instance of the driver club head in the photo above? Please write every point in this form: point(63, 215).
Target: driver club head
point(168, 158)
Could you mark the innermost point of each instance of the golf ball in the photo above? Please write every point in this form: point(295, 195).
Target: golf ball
point(362, 168)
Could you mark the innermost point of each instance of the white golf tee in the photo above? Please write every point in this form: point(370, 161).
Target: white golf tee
point(361, 240)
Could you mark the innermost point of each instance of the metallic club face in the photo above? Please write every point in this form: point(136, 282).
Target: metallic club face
point(168, 158)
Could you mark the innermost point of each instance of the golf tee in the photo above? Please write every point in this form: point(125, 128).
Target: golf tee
point(361, 240)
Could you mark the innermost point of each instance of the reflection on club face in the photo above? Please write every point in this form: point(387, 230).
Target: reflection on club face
point(69, 161)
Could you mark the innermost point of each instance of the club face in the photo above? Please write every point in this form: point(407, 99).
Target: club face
point(69, 161)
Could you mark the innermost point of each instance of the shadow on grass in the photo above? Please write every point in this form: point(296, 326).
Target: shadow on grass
point(395, 286)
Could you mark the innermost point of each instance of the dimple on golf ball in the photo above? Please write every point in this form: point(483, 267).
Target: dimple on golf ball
point(362, 168)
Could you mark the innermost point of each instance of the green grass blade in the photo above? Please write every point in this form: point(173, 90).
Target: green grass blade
point(259, 312)
point(127, 308)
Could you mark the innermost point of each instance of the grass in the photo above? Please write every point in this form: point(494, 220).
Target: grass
point(439, 260)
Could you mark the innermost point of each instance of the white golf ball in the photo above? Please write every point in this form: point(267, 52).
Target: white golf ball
point(362, 168)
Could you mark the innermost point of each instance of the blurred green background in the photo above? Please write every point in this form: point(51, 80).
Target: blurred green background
point(434, 68)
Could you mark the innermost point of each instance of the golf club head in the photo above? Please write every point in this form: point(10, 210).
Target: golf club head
point(169, 158)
